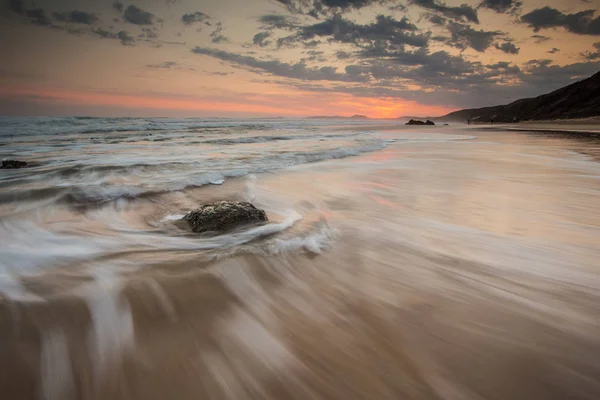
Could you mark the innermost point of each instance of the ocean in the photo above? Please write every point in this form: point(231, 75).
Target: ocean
point(399, 262)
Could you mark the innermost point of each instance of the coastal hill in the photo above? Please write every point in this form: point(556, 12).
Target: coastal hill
point(578, 100)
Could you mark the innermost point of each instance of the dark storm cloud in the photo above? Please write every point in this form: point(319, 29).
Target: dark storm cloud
point(582, 23)
point(260, 39)
point(197, 16)
point(117, 5)
point(507, 47)
point(502, 6)
point(463, 12)
point(277, 68)
point(540, 38)
point(76, 17)
point(463, 36)
point(137, 16)
point(338, 29)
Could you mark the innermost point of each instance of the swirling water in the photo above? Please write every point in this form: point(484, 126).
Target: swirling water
point(416, 263)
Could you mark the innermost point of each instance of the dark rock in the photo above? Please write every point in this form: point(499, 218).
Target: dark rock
point(223, 216)
point(13, 164)
point(417, 122)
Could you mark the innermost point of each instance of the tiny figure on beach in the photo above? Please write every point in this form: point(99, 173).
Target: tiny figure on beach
point(469, 121)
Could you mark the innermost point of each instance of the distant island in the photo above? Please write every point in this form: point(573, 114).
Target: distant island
point(338, 117)
point(578, 100)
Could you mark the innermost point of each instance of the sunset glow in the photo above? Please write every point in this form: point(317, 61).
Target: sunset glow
point(382, 59)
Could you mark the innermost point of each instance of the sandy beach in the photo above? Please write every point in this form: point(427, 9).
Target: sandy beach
point(451, 262)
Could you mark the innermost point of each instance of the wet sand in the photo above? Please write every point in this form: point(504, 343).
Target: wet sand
point(460, 269)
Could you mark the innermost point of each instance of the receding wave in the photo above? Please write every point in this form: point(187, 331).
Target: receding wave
point(101, 192)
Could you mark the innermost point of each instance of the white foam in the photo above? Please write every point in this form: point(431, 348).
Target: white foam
point(315, 242)
point(29, 248)
point(112, 330)
point(173, 217)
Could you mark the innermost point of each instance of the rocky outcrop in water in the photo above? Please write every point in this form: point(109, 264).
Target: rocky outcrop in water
point(417, 122)
point(223, 216)
point(12, 164)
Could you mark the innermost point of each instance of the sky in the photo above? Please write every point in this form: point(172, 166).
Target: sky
point(288, 58)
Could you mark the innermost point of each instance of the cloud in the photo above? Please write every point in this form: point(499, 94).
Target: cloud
point(437, 20)
point(163, 65)
point(502, 6)
point(148, 33)
point(197, 16)
point(542, 72)
point(117, 5)
point(463, 36)
point(540, 38)
point(592, 55)
point(260, 39)
point(217, 35)
point(314, 55)
point(554, 50)
point(343, 4)
point(277, 68)
point(16, 6)
point(137, 16)
point(581, 23)
point(478, 86)
point(507, 47)
point(315, 8)
point(463, 12)
point(38, 17)
point(274, 21)
point(385, 29)
point(123, 36)
point(76, 17)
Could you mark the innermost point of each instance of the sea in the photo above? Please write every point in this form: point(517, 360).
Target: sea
point(399, 262)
